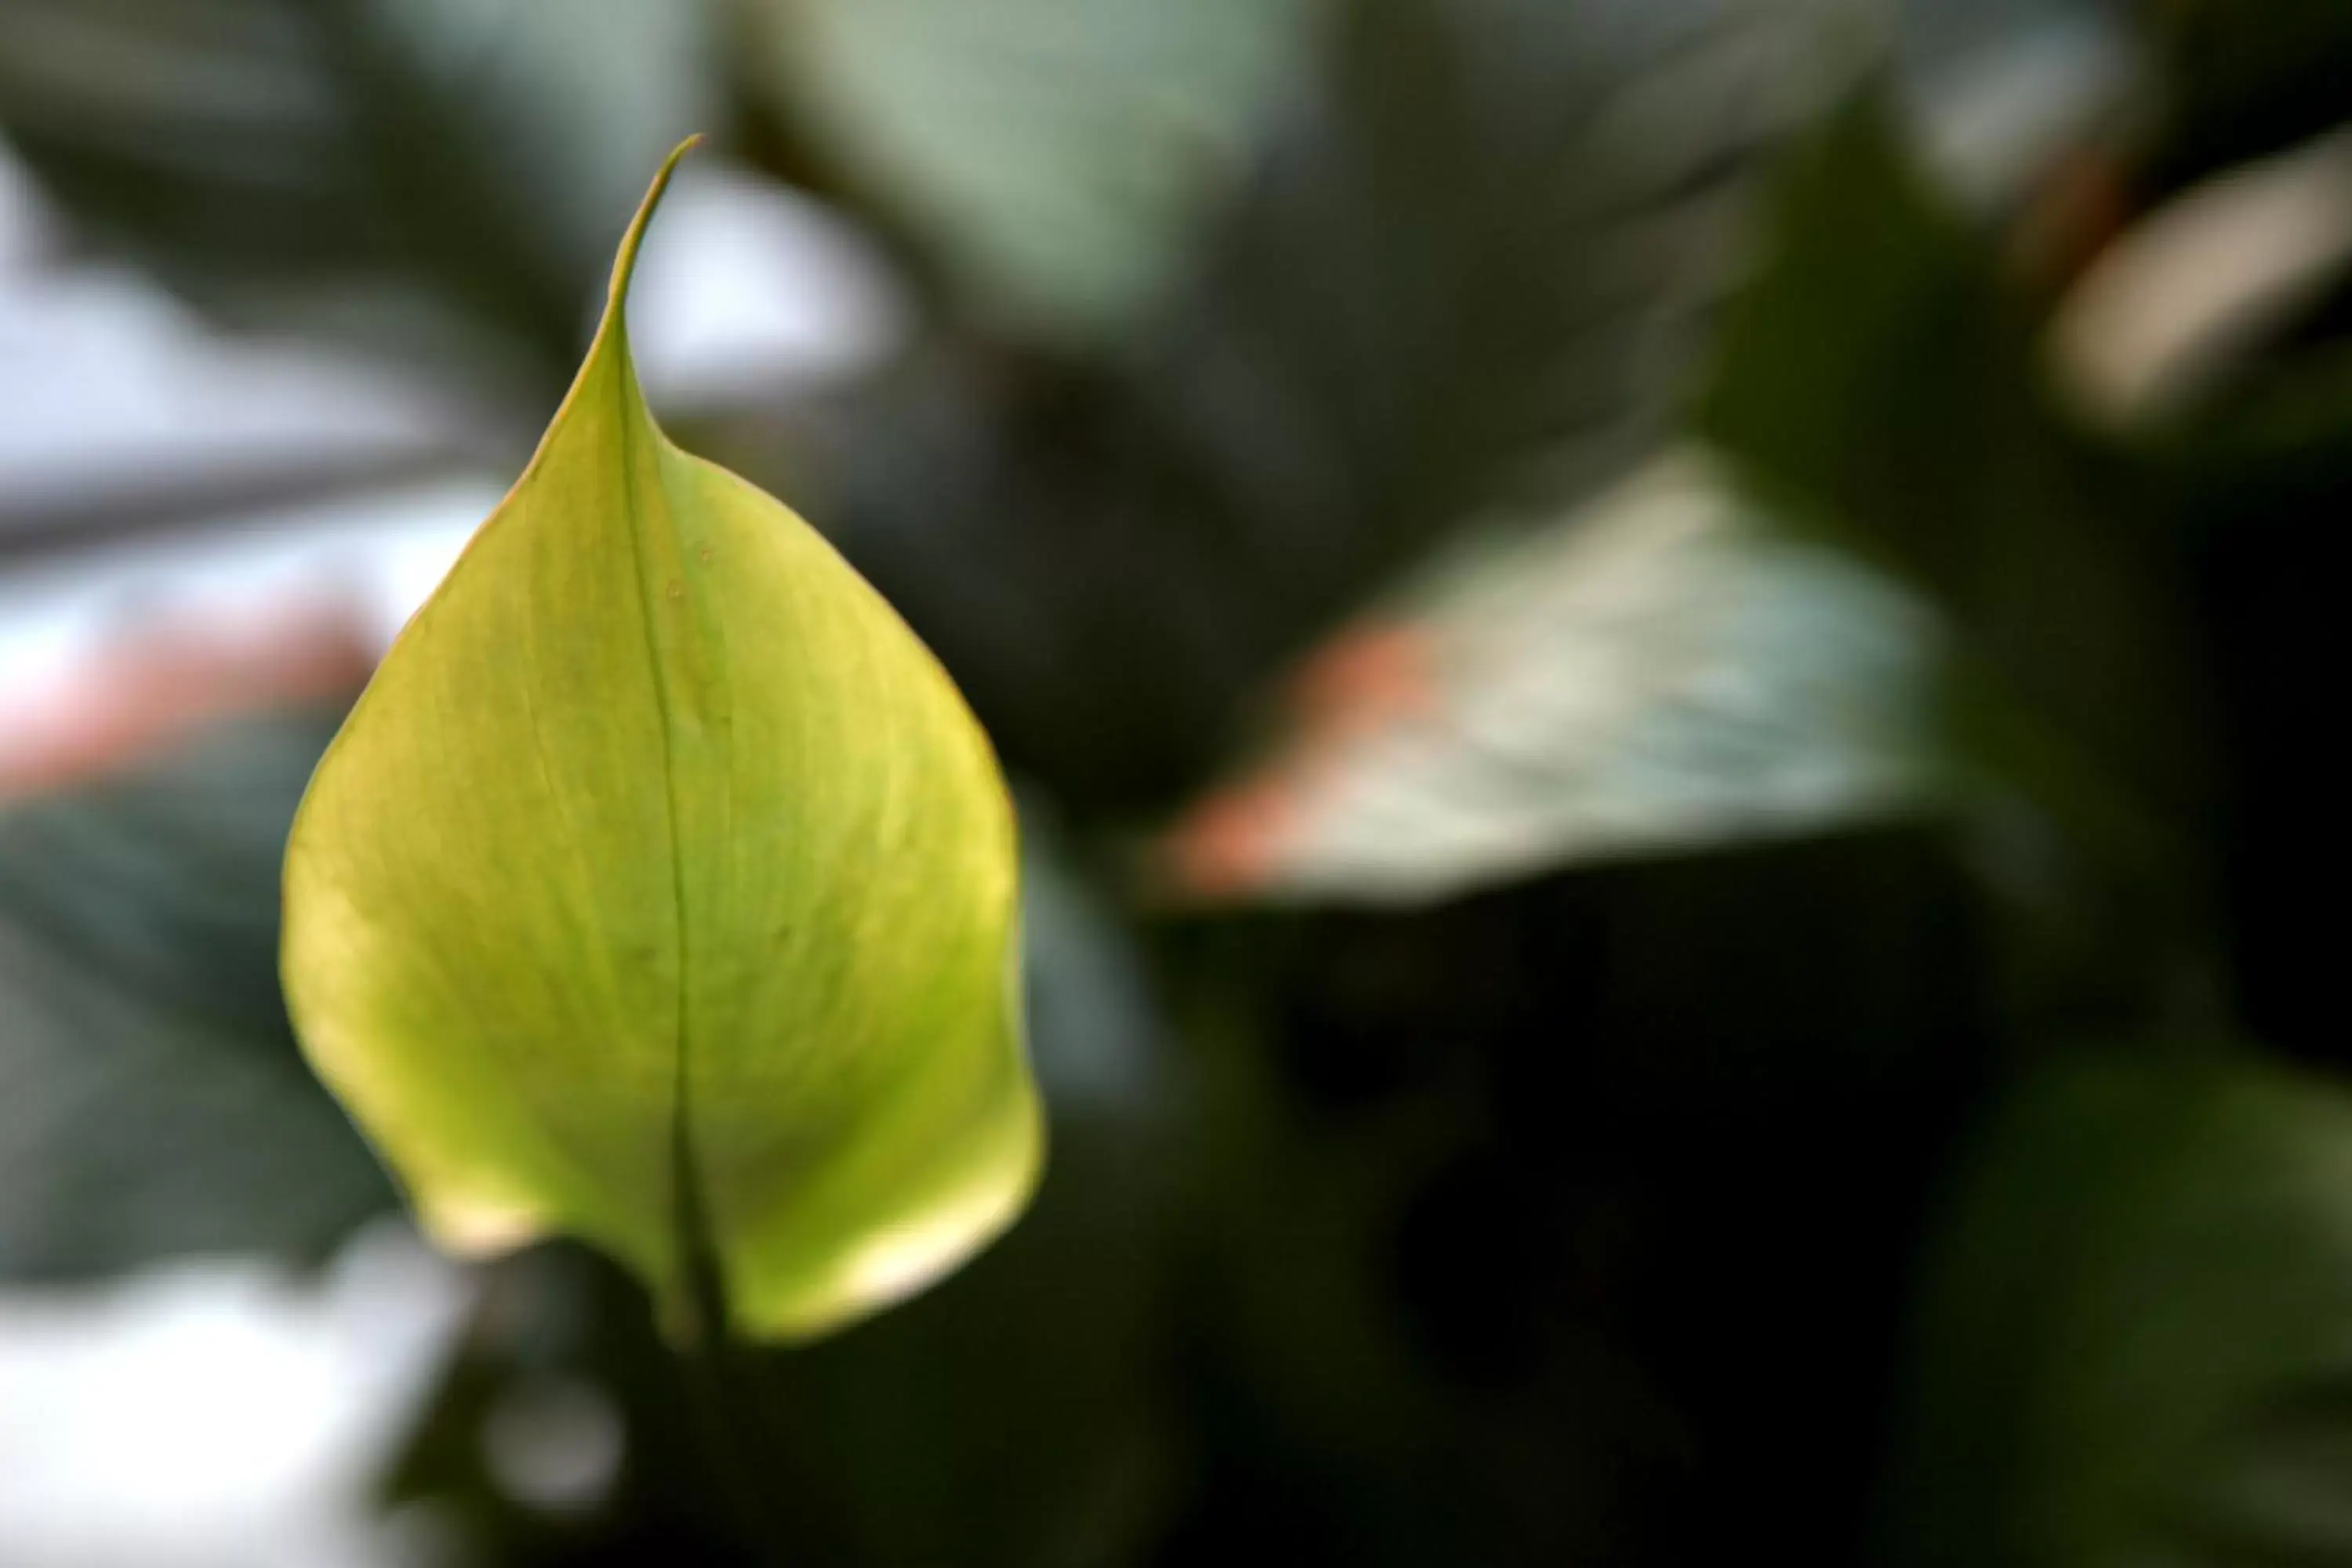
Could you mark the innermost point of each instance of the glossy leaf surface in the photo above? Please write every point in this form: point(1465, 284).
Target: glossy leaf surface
point(660, 890)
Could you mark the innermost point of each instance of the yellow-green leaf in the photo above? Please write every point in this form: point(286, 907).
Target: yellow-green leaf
point(660, 890)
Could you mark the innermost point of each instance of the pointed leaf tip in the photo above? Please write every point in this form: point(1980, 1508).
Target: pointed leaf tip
point(661, 890)
point(624, 259)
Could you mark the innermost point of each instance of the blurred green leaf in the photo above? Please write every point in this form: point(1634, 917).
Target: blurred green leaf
point(1471, 263)
point(1876, 381)
point(1658, 671)
point(152, 1102)
point(1878, 374)
point(2134, 1345)
point(433, 178)
point(1057, 155)
point(660, 890)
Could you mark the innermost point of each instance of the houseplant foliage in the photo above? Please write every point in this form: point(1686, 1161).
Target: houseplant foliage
point(1934, 1176)
point(660, 890)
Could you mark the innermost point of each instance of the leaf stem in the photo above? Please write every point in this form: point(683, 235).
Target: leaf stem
point(719, 1373)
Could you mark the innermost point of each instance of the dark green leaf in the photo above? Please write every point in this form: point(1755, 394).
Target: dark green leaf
point(1876, 378)
point(1469, 266)
point(424, 176)
point(2134, 1347)
point(1057, 155)
point(152, 1102)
